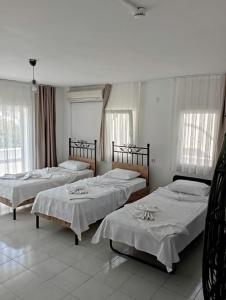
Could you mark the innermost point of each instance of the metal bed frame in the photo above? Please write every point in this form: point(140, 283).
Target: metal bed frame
point(155, 263)
point(130, 151)
point(132, 157)
point(78, 150)
point(84, 151)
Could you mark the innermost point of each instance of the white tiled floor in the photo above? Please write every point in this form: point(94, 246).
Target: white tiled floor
point(44, 264)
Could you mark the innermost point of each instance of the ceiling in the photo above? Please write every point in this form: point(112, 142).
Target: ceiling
point(81, 42)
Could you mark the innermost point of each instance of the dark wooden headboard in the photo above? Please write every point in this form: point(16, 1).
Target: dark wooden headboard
point(84, 151)
point(178, 177)
point(132, 157)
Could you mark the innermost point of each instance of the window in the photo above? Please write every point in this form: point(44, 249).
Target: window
point(16, 127)
point(197, 135)
point(14, 143)
point(119, 127)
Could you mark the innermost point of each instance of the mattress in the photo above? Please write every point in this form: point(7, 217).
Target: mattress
point(18, 190)
point(177, 221)
point(104, 196)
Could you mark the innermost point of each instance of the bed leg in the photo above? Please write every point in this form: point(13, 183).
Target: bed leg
point(173, 269)
point(111, 246)
point(37, 221)
point(76, 239)
point(14, 214)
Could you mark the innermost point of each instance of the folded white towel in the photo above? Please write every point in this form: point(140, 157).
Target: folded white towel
point(146, 212)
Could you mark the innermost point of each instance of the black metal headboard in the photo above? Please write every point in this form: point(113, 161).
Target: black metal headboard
point(131, 157)
point(84, 151)
point(178, 177)
point(131, 154)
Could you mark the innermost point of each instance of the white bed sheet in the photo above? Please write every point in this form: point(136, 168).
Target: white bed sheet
point(17, 190)
point(105, 195)
point(122, 226)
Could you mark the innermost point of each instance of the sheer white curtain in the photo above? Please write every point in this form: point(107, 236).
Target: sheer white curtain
point(196, 113)
point(122, 115)
point(16, 127)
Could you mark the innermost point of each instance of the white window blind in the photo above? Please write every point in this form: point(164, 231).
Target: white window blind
point(196, 113)
point(196, 148)
point(120, 126)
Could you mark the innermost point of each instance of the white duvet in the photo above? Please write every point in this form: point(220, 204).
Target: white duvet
point(28, 185)
point(177, 219)
point(104, 195)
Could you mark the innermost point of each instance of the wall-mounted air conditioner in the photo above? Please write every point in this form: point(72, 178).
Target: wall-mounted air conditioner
point(85, 94)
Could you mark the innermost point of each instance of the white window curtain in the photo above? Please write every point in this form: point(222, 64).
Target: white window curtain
point(122, 115)
point(196, 114)
point(16, 127)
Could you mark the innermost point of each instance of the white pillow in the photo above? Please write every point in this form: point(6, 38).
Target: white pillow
point(74, 165)
point(123, 174)
point(190, 187)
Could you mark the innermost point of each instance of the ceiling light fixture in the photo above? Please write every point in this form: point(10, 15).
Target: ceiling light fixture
point(138, 10)
point(34, 86)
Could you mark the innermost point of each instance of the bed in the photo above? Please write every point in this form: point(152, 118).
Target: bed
point(104, 194)
point(178, 220)
point(17, 190)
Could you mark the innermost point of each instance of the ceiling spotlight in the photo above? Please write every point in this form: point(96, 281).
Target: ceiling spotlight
point(138, 10)
point(34, 86)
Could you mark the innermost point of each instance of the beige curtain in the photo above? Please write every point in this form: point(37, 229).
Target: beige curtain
point(45, 116)
point(105, 96)
point(222, 129)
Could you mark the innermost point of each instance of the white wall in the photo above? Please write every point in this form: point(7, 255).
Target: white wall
point(86, 120)
point(154, 128)
point(71, 120)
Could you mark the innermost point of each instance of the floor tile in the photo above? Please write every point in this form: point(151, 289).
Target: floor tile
point(52, 246)
point(13, 252)
point(126, 264)
point(199, 296)
point(119, 296)
point(10, 269)
point(49, 268)
point(90, 265)
point(22, 282)
point(112, 277)
point(4, 259)
point(139, 288)
point(32, 258)
point(4, 242)
point(181, 285)
point(73, 255)
point(6, 294)
point(70, 297)
point(45, 291)
point(165, 294)
point(70, 279)
point(152, 274)
point(94, 290)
